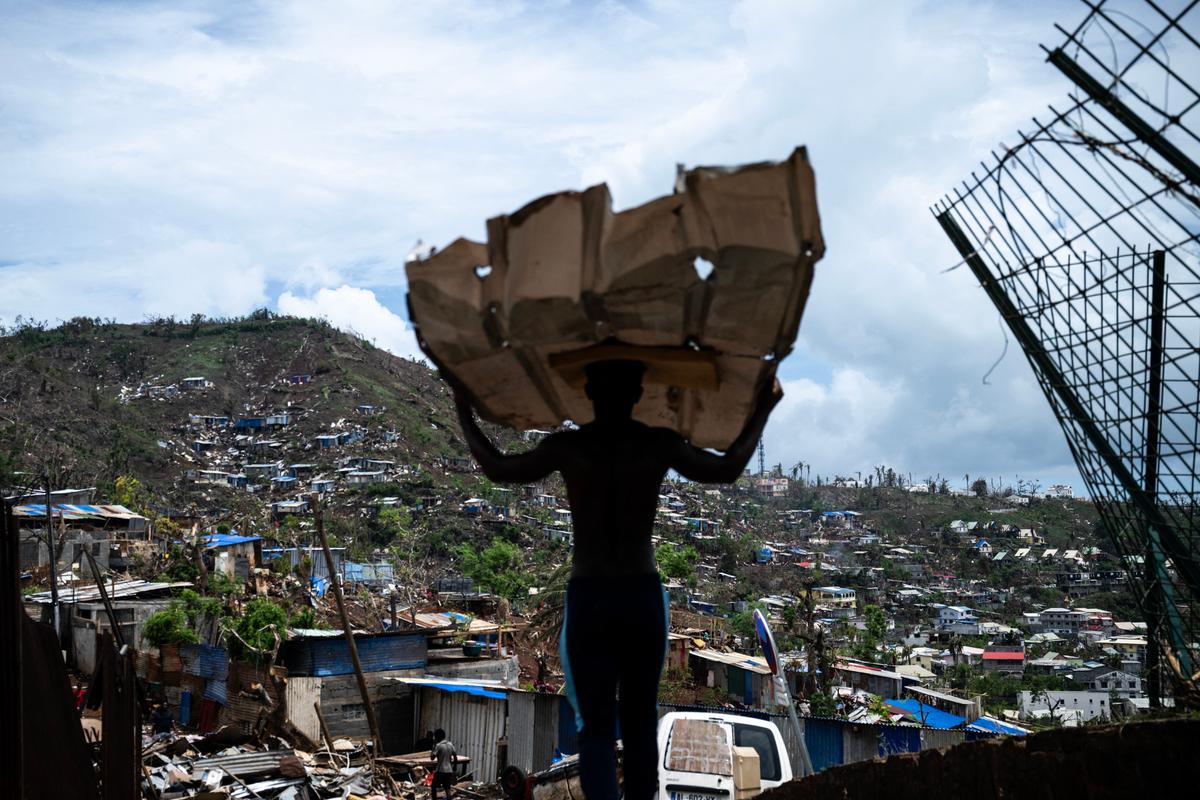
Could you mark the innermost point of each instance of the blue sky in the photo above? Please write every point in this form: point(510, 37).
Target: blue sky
point(217, 157)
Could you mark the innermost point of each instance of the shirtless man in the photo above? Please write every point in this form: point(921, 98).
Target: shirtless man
point(615, 623)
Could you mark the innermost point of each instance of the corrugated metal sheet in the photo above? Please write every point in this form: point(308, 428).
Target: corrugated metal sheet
point(859, 743)
point(204, 661)
point(532, 729)
point(933, 739)
point(303, 693)
point(895, 739)
point(378, 653)
point(245, 765)
point(473, 723)
point(116, 589)
point(825, 742)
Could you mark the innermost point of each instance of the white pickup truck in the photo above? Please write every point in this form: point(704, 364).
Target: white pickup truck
point(699, 757)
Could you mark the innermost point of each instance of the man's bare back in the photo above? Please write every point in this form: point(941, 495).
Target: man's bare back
point(614, 467)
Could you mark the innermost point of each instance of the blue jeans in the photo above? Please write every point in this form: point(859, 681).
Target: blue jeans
point(613, 643)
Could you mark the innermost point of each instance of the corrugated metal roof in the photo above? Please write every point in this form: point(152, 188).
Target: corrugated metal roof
point(76, 511)
point(740, 660)
point(118, 589)
point(376, 652)
point(928, 716)
point(992, 725)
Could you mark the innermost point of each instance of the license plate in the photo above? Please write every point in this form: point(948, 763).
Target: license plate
point(697, 796)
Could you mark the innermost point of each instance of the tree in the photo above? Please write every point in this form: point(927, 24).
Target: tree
point(822, 704)
point(874, 633)
point(259, 630)
point(128, 492)
point(980, 487)
point(169, 626)
point(496, 568)
point(679, 564)
point(742, 623)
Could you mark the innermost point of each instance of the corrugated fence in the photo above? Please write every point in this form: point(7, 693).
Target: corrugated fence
point(473, 723)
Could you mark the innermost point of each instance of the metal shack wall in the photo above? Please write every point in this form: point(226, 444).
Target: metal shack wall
point(473, 723)
point(303, 695)
point(331, 656)
point(932, 739)
point(532, 729)
point(825, 742)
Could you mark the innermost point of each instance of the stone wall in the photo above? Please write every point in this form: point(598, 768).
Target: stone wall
point(1144, 759)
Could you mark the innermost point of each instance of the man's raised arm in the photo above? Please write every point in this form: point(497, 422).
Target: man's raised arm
point(519, 468)
point(705, 467)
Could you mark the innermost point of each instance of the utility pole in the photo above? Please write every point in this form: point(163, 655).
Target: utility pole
point(53, 565)
point(346, 629)
point(762, 459)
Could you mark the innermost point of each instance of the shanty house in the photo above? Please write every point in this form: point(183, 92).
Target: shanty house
point(234, 555)
point(745, 679)
point(321, 675)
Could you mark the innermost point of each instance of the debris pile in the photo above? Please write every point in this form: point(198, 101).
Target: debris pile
point(229, 764)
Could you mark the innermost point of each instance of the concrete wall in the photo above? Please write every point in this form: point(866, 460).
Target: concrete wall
point(1146, 759)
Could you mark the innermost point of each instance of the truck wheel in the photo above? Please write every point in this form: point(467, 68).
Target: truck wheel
point(512, 781)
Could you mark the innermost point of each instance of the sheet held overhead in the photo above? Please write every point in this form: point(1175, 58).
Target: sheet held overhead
point(565, 281)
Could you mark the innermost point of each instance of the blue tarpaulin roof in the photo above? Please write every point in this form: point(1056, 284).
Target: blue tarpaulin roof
point(478, 691)
point(928, 716)
point(990, 725)
point(228, 539)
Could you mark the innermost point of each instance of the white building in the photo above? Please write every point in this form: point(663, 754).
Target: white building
point(954, 615)
point(1068, 707)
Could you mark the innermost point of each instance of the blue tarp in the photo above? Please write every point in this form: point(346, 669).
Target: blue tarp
point(929, 716)
point(478, 691)
point(996, 726)
point(228, 539)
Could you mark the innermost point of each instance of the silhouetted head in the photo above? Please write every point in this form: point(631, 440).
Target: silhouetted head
point(614, 387)
point(438, 735)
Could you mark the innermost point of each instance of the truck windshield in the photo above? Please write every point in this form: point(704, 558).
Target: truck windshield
point(698, 745)
point(762, 741)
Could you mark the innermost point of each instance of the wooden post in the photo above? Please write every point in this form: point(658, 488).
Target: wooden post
point(346, 629)
point(324, 727)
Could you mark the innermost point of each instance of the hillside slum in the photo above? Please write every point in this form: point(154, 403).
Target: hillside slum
point(202, 650)
point(233, 648)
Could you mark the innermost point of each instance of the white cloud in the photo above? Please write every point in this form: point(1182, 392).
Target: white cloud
point(155, 160)
point(356, 311)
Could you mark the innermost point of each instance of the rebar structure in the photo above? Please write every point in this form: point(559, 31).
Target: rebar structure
point(1085, 234)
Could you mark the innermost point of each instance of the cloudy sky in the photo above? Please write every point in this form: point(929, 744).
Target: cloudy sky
point(216, 157)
